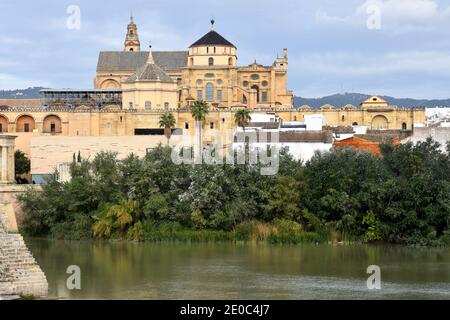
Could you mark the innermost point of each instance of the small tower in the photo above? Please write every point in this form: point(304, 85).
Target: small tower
point(132, 39)
point(282, 63)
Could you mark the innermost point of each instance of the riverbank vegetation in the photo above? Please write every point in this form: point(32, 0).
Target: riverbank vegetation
point(402, 196)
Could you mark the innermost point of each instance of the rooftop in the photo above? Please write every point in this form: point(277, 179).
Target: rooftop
point(109, 61)
point(212, 38)
point(149, 72)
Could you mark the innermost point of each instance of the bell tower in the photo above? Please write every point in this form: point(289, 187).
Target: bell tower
point(132, 39)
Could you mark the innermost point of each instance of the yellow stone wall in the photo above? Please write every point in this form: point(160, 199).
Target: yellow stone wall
point(124, 122)
point(222, 56)
point(155, 92)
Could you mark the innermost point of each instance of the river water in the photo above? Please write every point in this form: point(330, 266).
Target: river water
point(116, 270)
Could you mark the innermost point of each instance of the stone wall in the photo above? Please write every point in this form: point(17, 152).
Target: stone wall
point(438, 134)
point(19, 272)
point(9, 194)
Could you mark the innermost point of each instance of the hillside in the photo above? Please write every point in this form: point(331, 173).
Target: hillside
point(337, 100)
point(29, 93)
point(340, 100)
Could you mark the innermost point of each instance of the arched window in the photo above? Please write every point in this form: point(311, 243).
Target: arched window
point(148, 105)
point(3, 124)
point(25, 123)
point(404, 126)
point(255, 87)
point(209, 91)
point(230, 61)
point(343, 118)
point(52, 124)
point(354, 123)
point(211, 61)
point(131, 49)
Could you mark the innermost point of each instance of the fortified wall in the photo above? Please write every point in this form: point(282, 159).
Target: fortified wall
point(20, 275)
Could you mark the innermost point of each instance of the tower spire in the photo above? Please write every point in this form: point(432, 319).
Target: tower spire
point(212, 24)
point(150, 55)
point(132, 38)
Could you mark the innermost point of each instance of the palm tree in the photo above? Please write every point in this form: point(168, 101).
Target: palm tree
point(199, 110)
point(242, 118)
point(167, 121)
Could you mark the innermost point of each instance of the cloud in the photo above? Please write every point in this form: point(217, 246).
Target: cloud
point(398, 16)
point(354, 64)
point(322, 17)
point(10, 82)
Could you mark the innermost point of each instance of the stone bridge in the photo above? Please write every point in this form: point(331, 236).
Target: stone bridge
point(20, 275)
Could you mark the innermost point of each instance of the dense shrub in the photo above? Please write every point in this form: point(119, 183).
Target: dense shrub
point(401, 196)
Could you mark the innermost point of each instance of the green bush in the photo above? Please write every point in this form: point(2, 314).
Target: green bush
point(295, 238)
point(136, 232)
point(401, 196)
point(175, 232)
point(78, 228)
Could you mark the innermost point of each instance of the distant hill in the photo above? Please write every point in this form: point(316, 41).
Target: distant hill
point(340, 100)
point(337, 100)
point(29, 93)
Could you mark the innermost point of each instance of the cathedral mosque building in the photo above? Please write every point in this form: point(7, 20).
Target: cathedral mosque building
point(207, 71)
point(133, 88)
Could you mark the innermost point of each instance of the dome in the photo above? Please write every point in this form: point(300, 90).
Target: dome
point(212, 38)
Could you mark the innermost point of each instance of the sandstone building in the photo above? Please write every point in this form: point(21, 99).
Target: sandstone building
point(207, 71)
point(133, 87)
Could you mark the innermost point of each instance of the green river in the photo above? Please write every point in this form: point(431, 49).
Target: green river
point(120, 270)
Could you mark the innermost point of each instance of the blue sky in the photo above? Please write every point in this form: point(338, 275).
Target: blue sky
point(331, 49)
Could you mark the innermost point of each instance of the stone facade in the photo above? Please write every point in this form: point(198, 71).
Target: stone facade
point(207, 71)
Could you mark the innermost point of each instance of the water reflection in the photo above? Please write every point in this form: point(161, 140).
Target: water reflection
point(241, 271)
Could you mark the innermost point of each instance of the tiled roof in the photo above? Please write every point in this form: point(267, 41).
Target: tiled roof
point(212, 38)
point(149, 72)
point(111, 61)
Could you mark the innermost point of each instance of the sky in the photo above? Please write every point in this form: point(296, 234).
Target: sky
point(399, 48)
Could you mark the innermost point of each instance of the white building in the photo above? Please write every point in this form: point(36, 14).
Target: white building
point(301, 139)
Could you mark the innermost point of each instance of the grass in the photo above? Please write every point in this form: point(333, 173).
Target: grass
point(278, 232)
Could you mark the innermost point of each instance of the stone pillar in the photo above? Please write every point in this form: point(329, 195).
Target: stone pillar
point(7, 174)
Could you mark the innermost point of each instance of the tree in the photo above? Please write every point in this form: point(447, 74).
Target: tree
point(199, 110)
point(285, 198)
point(21, 162)
point(167, 121)
point(242, 118)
